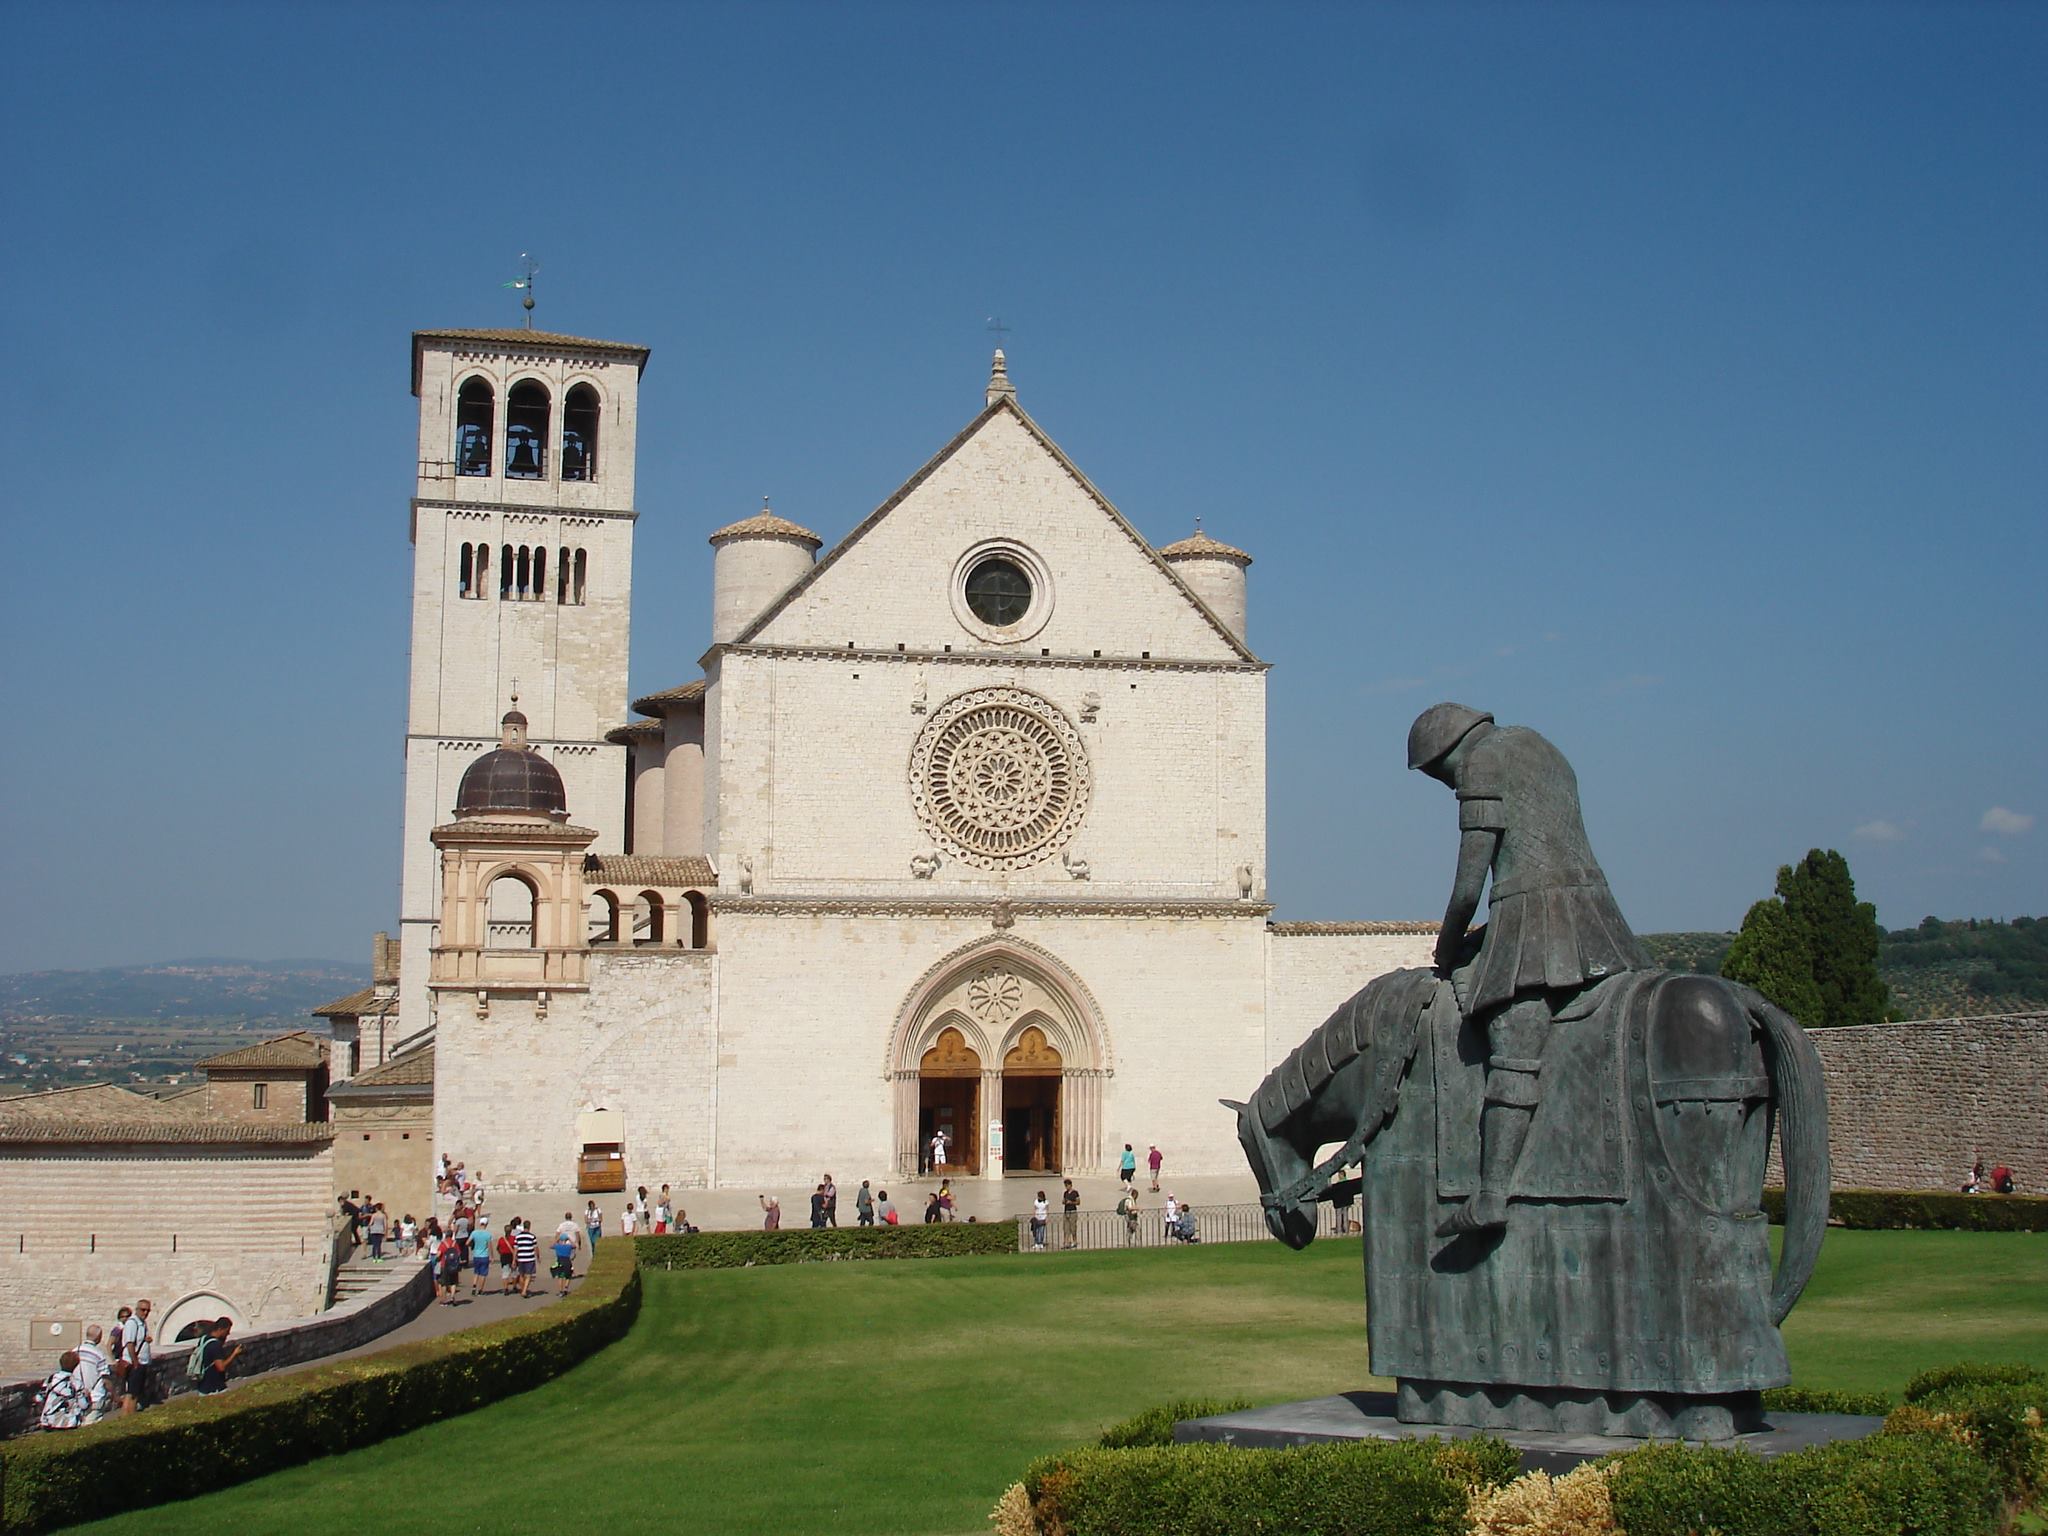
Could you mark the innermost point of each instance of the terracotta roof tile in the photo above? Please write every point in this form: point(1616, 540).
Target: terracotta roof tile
point(768, 526)
point(92, 1103)
point(636, 730)
point(295, 1052)
point(1202, 544)
point(89, 1132)
point(1295, 930)
point(683, 693)
point(648, 869)
point(354, 1005)
point(412, 1070)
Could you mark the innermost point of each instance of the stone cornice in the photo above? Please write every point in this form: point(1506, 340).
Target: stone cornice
point(97, 1133)
point(525, 509)
point(1006, 659)
point(482, 831)
point(998, 911)
point(1346, 930)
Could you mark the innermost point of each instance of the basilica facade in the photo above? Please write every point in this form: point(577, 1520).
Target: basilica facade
point(958, 826)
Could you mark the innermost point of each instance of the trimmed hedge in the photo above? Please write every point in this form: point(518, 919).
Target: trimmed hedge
point(1820, 1400)
point(1887, 1483)
point(1365, 1488)
point(1973, 1373)
point(1155, 1425)
point(194, 1444)
point(1911, 1210)
point(804, 1245)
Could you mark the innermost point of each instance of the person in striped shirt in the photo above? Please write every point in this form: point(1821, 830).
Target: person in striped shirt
point(525, 1253)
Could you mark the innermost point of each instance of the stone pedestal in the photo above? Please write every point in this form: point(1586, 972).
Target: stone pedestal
point(1371, 1416)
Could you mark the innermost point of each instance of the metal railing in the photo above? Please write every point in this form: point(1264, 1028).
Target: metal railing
point(1096, 1230)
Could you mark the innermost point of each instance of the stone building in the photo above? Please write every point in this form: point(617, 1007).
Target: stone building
point(959, 825)
point(108, 1195)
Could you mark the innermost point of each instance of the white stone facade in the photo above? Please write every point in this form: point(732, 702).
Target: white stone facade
point(982, 791)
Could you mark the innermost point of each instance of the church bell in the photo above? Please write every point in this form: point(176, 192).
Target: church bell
point(525, 459)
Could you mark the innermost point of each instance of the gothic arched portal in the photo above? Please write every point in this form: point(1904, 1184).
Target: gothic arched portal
point(1011, 1041)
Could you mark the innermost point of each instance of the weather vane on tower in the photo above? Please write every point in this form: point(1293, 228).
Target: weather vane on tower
point(529, 270)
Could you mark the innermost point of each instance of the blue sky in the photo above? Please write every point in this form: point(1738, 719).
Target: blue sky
point(1667, 378)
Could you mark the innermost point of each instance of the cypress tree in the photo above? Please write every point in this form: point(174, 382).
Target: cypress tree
point(1841, 934)
point(1771, 955)
point(1812, 949)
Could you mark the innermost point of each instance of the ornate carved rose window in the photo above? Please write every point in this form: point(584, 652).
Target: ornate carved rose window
point(999, 778)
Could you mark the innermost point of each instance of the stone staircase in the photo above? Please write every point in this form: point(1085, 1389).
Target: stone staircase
point(360, 1275)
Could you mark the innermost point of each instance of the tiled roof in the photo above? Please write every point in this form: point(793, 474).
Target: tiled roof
point(1201, 544)
point(648, 869)
point(1334, 929)
point(354, 1005)
point(414, 1069)
point(765, 525)
point(295, 1052)
point(92, 1103)
point(637, 730)
point(538, 830)
point(655, 703)
point(95, 1132)
point(512, 334)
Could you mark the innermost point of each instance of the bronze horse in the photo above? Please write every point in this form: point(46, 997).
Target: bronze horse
point(1631, 1291)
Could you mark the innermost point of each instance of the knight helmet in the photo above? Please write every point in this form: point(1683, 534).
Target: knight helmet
point(1438, 729)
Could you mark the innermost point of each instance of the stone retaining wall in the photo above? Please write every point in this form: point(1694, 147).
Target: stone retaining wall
point(352, 1324)
point(1913, 1105)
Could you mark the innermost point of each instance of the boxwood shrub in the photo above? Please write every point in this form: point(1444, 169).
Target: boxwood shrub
point(1364, 1488)
point(1155, 1425)
point(1899, 1210)
point(1820, 1400)
point(1916, 1484)
point(737, 1250)
point(194, 1444)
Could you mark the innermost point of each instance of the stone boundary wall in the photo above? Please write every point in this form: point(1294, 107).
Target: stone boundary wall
point(348, 1326)
point(1913, 1105)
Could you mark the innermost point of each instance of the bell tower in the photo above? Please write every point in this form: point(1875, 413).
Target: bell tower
point(522, 535)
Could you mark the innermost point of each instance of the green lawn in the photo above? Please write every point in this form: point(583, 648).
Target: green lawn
point(903, 1397)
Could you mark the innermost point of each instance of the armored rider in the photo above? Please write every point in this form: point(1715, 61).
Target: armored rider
point(1552, 929)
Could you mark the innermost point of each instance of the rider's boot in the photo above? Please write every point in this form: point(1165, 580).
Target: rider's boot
point(1504, 1126)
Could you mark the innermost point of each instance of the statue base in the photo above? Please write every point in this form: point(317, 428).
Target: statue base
point(1372, 1416)
point(1561, 1410)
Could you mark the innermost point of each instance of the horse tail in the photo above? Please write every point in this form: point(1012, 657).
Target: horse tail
point(1800, 1092)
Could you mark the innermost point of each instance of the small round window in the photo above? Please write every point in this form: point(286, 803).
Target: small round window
point(999, 592)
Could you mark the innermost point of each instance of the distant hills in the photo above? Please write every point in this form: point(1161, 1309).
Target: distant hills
point(237, 991)
point(1946, 968)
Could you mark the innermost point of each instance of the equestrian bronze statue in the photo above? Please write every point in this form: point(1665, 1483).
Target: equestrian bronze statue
point(1562, 1149)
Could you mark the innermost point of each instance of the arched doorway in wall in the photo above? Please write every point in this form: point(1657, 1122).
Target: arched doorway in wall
point(949, 1100)
point(1031, 1103)
point(1042, 1052)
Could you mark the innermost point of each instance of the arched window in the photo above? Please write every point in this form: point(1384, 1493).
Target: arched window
point(648, 918)
point(524, 584)
point(540, 574)
point(700, 920)
point(604, 918)
point(475, 406)
point(513, 905)
point(576, 586)
point(505, 571)
point(579, 434)
point(483, 571)
point(526, 432)
point(562, 576)
point(466, 580)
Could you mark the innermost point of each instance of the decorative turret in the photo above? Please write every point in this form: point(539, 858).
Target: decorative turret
point(757, 560)
point(999, 385)
point(1215, 571)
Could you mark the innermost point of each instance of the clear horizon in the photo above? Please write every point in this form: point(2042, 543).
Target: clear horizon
point(1668, 379)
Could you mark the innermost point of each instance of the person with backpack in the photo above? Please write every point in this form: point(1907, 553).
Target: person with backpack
point(214, 1358)
point(1128, 1209)
point(58, 1403)
point(448, 1258)
point(565, 1260)
point(506, 1242)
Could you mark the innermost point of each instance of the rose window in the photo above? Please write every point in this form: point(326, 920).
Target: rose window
point(999, 777)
